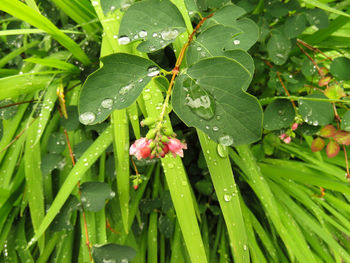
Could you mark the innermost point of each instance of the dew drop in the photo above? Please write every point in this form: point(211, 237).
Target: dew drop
point(199, 48)
point(87, 117)
point(123, 40)
point(222, 150)
point(154, 35)
point(94, 3)
point(152, 71)
point(227, 197)
point(126, 89)
point(215, 128)
point(226, 140)
point(143, 33)
point(147, 96)
point(107, 103)
point(236, 42)
point(169, 35)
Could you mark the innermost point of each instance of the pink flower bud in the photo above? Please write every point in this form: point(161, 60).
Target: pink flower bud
point(294, 126)
point(282, 136)
point(140, 148)
point(176, 147)
point(287, 140)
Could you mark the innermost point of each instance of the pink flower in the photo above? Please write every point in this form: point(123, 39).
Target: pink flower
point(294, 126)
point(288, 139)
point(282, 136)
point(176, 146)
point(140, 148)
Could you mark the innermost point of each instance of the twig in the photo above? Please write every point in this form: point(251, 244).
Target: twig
point(285, 89)
point(17, 103)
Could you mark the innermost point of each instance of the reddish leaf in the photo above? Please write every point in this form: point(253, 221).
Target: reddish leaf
point(334, 92)
point(328, 131)
point(324, 70)
point(317, 144)
point(332, 149)
point(324, 81)
point(342, 137)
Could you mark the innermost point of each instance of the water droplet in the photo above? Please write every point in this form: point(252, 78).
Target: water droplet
point(94, 3)
point(123, 40)
point(143, 33)
point(107, 103)
point(169, 35)
point(236, 42)
point(170, 165)
point(154, 35)
point(87, 117)
point(126, 89)
point(222, 150)
point(227, 197)
point(199, 48)
point(147, 96)
point(152, 71)
point(199, 101)
point(215, 128)
point(245, 247)
point(226, 140)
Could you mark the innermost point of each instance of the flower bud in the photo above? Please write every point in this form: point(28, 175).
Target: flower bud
point(151, 133)
point(167, 131)
point(148, 121)
point(164, 139)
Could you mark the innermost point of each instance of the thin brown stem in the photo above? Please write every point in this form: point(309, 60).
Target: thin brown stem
point(17, 103)
point(312, 48)
point(320, 72)
point(284, 87)
point(71, 154)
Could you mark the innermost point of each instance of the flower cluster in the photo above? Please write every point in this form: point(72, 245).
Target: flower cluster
point(157, 147)
point(287, 136)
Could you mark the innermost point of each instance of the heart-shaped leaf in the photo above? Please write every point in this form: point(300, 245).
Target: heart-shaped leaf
point(316, 112)
point(143, 21)
point(95, 194)
point(114, 86)
point(63, 219)
point(340, 68)
point(278, 114)
point(112, 253)
point(295, 25)
point(227, 16)
point(332, 149)
point(233, 116)
point(317, 144)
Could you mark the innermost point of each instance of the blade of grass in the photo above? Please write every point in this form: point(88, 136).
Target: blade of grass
point(226, 191)
point(54, 63)
point(25, 13)
point(16, 52)
point(84, 163)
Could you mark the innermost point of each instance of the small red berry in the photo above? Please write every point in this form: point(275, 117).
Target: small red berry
point(136, 187)
point(145, 152)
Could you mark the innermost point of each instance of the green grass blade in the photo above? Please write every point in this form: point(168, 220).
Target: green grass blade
point(16, 52)
point(226, 191)
point(25, 13)
point(84, 163)
point(54, 63)
point(325, 7)
point(121, 148)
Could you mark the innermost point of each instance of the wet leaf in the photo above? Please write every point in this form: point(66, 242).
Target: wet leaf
point(8, 112)
point(166, 226)
point(143, 21)
point(95, 194)
point(57, 143)
point(345, 122)
point(317, 17)
point(340, 68)
point(113, 5)
point(278, 47)
point(115, 86)
point(50, 162)
point(295, 25)
point(317, 144)
point(328, 131)
point(226, 80)
point(278, 114)
point(332, 149)
point(316, 112)
point(205, 187)
point(112, 253)
point(72, 123)
point(63, 219)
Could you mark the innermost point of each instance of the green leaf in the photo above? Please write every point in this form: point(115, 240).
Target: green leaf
point(112, 5)
point(115, 86)
point(278, 114)
point(233, 116)
point(345, 122)
point(316, 112)
point(227, 16)
point(112, 253)
point(95, 194)
point(295, 25)
point(205, 187)
point(278, 47)
point(334, 92)
point(340, 68)
point(317, 17)
point(50, 162)
point(166, 226)
point(72, 123)
point(57, 143)
point(8, 112)
point(63, 220)
point(143, 20)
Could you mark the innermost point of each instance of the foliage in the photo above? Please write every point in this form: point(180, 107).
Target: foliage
point(254, 90)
